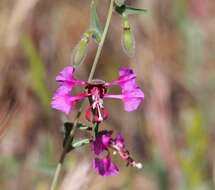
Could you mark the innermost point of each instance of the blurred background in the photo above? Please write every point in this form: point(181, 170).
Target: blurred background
point(171, 133)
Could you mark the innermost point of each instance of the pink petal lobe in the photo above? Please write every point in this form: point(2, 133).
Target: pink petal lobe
point(66, 78)
point(66, 74)
point(133, 99)
point(63, 102)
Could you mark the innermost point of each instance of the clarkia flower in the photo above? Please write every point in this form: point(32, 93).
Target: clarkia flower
point(103, 142)
point(131, 95)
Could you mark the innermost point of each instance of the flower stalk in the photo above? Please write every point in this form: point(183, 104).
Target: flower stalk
point(98, 53)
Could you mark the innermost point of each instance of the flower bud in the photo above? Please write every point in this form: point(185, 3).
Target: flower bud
point(128, 42)
point(120, 2)
point(80, 50)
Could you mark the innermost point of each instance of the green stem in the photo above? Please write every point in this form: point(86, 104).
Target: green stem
point(95, 130)
point(92, 72)
point(104, 34)
point(56, 176)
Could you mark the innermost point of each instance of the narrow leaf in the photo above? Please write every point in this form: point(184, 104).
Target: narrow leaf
point(67, 129)
point(133, 11)
point(120, 9)
point(80, 143)
point(37, 69)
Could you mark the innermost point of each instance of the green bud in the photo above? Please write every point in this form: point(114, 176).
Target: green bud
point(128, 42)
point(120, 2)
point(80, 51)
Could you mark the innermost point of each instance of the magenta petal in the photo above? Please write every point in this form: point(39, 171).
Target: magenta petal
point(123, 71)
point(131, 92)
point(127, 79)
point(66, 79)
point(61, 101)
point(131, 104)
point(119, 141)
point(131, 95)
point(105, 167)
point(132, 99)
point(105, 140)
point(102, 142)
point(66, 74)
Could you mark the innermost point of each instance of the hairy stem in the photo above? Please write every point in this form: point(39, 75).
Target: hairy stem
point(92, 72)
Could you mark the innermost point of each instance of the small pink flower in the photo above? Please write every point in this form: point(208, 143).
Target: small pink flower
point(131, 95)
point(103, 142)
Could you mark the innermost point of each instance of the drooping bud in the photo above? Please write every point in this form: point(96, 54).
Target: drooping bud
point(128, 41)
point(94, 23)
point(80, 51)
point(120, 2)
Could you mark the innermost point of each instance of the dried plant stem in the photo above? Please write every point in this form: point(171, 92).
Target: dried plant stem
point(95, 62)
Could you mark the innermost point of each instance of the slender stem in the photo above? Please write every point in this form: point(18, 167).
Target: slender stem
point(56, 176)
point(95, 62)
point(95, 130)
point(104, 34)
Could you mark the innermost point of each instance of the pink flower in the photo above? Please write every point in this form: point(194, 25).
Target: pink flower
point(131, 95)
point(103, 142)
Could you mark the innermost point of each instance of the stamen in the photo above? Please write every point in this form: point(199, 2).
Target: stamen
point(139, 165)
point(99, 113)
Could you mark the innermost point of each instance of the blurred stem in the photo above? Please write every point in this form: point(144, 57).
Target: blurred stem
point(56, 176)
point(92, 72)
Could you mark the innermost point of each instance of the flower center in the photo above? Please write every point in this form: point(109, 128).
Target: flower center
point(96, 90)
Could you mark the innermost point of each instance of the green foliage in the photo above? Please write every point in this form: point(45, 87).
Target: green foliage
point(157, 168)
point(193, 157)
point(10, 167)
point(67, 130)
point(126, 10)
point(133, 11)
point(68, 140)
point(69, 125)
point(95, 130)
point(179, 10)
point(37, 72)
point(80, 143)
